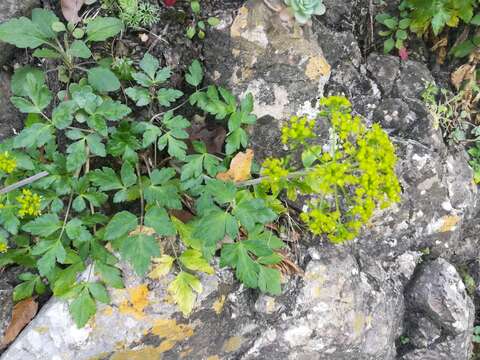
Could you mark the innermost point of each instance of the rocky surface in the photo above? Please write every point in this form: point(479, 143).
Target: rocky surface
point(6, 306)
point(355, 301)
point(10, 118)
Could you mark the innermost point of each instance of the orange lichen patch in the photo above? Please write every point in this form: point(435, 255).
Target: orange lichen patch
point(240, 22)
point(170, 330)
point(41, 329)
point(218, 305)
point(108, 311)
point(213, 357)
point(233, 344)
point(148, 352)
point(317, 67)
point(449, 223)
point(137, 303)
point(185, 353)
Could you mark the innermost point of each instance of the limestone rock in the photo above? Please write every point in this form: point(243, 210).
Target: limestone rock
point(10, 118)
point(6, 306)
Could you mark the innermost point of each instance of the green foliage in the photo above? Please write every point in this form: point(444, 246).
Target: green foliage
point(396, 30)
point(421, 17)
point(304, 9)
point(476, 334)
point(198, 25)
point(75, 218)
point(137, 13)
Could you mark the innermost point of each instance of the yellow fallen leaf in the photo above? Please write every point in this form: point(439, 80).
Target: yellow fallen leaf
point(162, 267)
point(240, 167)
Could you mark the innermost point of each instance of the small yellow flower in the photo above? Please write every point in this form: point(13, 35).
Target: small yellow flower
point(7, 163)
point(3, 247)
point(29, 203)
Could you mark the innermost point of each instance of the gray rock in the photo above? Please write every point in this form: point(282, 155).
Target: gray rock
point(10, 9)
point(411, 81)
point(6, 306)
point(10, 118)
point(439, 293)
point(384, 69)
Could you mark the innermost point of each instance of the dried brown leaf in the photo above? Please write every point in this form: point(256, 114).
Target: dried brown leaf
point(464, 72)
point(70, 9)
point(23, 313)
point(240, 167)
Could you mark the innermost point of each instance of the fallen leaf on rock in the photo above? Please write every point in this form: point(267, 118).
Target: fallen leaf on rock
point(23, 313)
point(464, 72)
point(240, 167)
point(70, 9)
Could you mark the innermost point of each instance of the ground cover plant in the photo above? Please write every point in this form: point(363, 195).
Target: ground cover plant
point(122, 168)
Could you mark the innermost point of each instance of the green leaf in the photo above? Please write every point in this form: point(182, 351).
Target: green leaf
point(391, 23)
point(167, 96)
point(149, 64)
point(76, 230)
point(212, 228)
point(252, 211)
point(62, 115)
point(401, 34)
point(182, 291)
point(19, 80)
point(23, 290)
point(236, 140)
point(269, 281)
point(102, 28)
point(36, 135)
point(79, 49)
point(22, 33)
point(127, 174)
point(213, 21)
point(404, 24)
point(185, 231)
point(43, 226)
point(103, 79)
point(195, 5)
point(77, 155)
point(138, 250)
point(109, 274)
point(193, 260)
point(176, 148)
point(106, 179)
point(165, 196)
point(44, 19)
point(121, 224)
point(475, 20)
point(463, 49)
point(158, 219)
point(47, 53)
point(142, 79)
point(163, 75)
point(99, 292)
point(195, 74)
point(82, 308)
point(246, 270)
point(96, 146)
point(388, 45)
point(140, 95)
point(190, 33)
point(223, 192)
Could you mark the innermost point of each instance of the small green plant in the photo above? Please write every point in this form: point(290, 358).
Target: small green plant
point(134, 13)
point(476, 334)
point(198, 25)
point(303, 10)
point(396, 29)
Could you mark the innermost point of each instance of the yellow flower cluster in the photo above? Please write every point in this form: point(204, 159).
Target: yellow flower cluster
point(275, 173)
point(3, 247)
point(7, 162)
point(29, 203)
point(349, 181)
point(298, 130)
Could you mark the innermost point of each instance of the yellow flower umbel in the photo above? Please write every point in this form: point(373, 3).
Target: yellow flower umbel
point(29, 203)
point(298, 130)
point(3, 247)
point(7, 163)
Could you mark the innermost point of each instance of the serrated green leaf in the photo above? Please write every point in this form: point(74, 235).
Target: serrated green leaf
point(246, 270)
point(183, 290)
point(121, 224)
point(149, 64)
point(166, 97)
point(82, 308)
point(77, 155)
point(36, 135)
point(96, 146)
point(43, 226)
point(140, 95)
point(195, 74)
point(109, 274)
point(106, 179)
point(22, 33)
point(99, 292)
point(158, 219)
point(269, 281)
point(62, 115)
point(253, 211)
point(192, 259)
point(138, 251)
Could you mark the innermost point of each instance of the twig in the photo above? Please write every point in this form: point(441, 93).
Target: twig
point(23, 182)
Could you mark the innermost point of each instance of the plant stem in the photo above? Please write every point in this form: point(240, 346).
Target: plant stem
point(142, 199)
point(23, 182)
point(256, 181)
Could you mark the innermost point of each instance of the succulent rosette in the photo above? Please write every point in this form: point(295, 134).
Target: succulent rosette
point(304, 9)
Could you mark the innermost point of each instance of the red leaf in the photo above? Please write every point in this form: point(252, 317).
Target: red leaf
point(403, 53)
point(70, 9)
point(169, 2)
